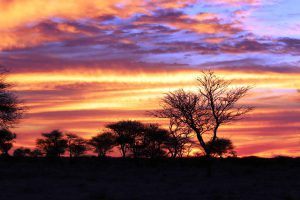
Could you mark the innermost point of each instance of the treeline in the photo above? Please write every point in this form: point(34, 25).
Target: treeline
point(195, 118)
point(133, 139)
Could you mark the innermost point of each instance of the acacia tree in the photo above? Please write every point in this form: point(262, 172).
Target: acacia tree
point(75, 145)
point(36, 153)
point(153, 141)
point(205, 111)
point(10, 106)
point(10, 113)
point(22, 152)
point(53, 144)
point(6, 141)
point(126, 133)
point(103, 143)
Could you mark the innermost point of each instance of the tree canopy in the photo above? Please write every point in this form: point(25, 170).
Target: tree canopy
point(6, 141)
point(11, 109)
point(52, 144)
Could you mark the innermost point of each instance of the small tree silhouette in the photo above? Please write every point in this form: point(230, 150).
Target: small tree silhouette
point(103, 143)
point(154, 141)
point(126, 133)
point(36, 153)
point(53, 144)
point(222, 147)
point(10, 107)
point(6, 141)
point(76, 145)
point(22, 152)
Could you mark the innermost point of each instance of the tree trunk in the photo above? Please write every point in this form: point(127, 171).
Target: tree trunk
point(215, 132)
point(123, 151)
point(203, 145)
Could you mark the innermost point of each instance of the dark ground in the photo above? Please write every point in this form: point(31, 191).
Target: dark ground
point(114, 179)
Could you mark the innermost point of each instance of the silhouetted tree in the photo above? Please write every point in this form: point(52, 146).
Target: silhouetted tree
point(103, 143)
point(10, 107)
point(189, 110)
point(221, 101)
point(53, 144)
point(6, 141)
point(179, 142)
point(204, 112)
point(126, 133)
point(76, 145)
point(22, 152)
point(36, 153)
point(154, 140)
point(222, 147)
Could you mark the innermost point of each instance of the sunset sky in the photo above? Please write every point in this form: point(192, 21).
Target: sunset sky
point(80, 64)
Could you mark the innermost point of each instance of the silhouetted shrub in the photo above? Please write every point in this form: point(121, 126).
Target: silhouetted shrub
point(6, 141)
point(221, 147)
point(103, 143)
point(35, 153)
point(53, 144)
point(22, 152)
point(76, 145)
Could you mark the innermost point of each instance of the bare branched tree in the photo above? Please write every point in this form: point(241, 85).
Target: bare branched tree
point(204, 112)
point(179, 142)
point(188, 110)
point(221, 101)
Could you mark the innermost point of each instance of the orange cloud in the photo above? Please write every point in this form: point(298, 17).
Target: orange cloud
point(24, 12)
point(20, 20)
point(24, 38)
point(46, 31)
point(21, 12)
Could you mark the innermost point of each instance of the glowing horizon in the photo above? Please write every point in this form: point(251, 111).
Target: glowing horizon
point(79, 65)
